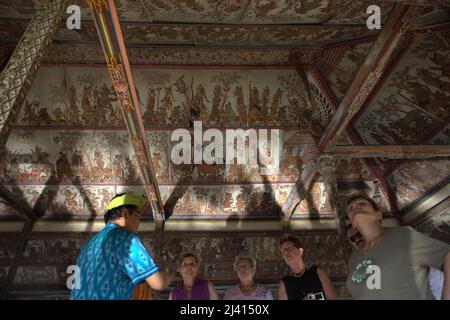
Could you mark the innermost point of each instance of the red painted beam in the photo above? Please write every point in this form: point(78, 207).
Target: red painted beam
point(110, 35)
point(356, 139)
point(392, 151)
point(370, 72)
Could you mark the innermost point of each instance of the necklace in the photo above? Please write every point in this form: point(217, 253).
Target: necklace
point(297, 275)
point(372, 243)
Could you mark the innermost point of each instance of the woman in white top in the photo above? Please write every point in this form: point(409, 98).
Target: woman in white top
point(247, 289)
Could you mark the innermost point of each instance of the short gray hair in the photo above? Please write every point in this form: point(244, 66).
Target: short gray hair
point(244, 258)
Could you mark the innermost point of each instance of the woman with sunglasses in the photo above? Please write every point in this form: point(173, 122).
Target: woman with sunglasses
point(192, 287)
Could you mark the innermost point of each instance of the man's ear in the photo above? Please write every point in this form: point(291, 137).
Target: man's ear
point(380, 216)
point(301, 251)
point(125, 213)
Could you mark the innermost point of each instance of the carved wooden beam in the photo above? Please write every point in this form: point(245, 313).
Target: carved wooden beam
point(416, 212)
point(20, 247)
point(19, 73)
point(327, 168)
point(304, 181)
point(330, 100)
point(23, 210)
point(370, 72)
point(427, 3)
point(110, 34)
point(384, 151)
point(299, 190)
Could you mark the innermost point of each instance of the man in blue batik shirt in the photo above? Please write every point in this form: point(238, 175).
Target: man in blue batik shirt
point(114, 261)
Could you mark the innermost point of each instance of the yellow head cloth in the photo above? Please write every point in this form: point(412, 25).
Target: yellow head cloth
point(127, 199)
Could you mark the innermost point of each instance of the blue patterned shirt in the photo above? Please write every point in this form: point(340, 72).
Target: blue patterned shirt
point(111, 264)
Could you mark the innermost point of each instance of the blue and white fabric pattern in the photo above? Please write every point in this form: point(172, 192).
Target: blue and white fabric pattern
point(111, 264)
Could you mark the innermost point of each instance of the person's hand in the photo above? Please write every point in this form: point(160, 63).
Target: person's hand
point(170, 273)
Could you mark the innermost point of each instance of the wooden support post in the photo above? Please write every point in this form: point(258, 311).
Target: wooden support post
point(19, 73)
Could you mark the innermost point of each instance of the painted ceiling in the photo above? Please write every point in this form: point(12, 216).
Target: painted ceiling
point(70, 152)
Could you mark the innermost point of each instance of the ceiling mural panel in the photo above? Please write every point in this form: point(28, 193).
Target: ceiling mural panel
point(199, 11)
point(443, 137)
point(353, 169)
point(220, 98)
point(128, 10)
point(73, 96)
point(139, 34)
point(191, 35)
point(277, 35)
point(19, 9)
point(85, 54)
point(433, 15)
point(341, 77)
point(221, 11)
point(285, 11)
point(12, 31)
point(355, 12)
point(437, 225)
point(316, 200)
point(106, 157)
point(424, 174)
point(414, 101)
point(28, 156)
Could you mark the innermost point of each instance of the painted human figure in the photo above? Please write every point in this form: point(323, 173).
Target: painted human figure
point(255, 104)
point(216, 111)
point(241, 116)
point(73, 103)
point(167, 101)
point(119, 167)
point(150, 105)
point(275, 105)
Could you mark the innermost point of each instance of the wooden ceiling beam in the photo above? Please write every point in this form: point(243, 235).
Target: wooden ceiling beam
point(370, 72)
point(22, 209)
point(110, 34)
point(21, 69)
point(426, 3)
point(384, 151)
point(354, 137)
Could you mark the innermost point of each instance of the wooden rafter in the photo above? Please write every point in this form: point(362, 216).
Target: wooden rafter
point(426, 140)
point(19, 73)
point(110, 34)
point(354, 137)
point(384, 151)
point(370, 72)
point(23, 210)
point(427, 3)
